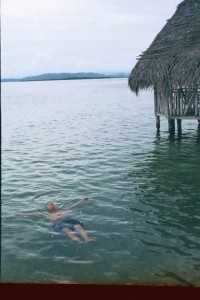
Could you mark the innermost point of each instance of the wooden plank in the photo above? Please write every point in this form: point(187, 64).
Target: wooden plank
point(186, 117)
point(178, 103)
point(191, 99)
point(170, 106)
point(181, 104)
point(166, 108)
point(173, 106)
point(196, 104)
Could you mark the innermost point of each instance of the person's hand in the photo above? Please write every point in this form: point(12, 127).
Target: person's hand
point(85, 198)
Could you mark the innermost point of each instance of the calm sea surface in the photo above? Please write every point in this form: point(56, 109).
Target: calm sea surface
point(62, 140)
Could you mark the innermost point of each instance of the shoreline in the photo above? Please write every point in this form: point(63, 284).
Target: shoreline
point(75, 78)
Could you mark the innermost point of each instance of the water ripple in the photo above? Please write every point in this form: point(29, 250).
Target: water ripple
point(68, 139)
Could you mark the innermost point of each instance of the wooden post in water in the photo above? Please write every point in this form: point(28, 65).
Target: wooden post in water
point(158, 123)
point(198, 128)
point(156, 109)
point(179, 126)
point(171, 125)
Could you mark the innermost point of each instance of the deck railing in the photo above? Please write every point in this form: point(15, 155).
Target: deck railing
point(183, 103)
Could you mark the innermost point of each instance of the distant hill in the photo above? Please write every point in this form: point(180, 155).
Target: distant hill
point(66, 76)
point(10, 80)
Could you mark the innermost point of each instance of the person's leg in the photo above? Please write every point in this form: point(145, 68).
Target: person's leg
point(83, 233)
point(71, 235)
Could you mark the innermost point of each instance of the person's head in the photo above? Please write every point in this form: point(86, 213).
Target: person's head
point(50, 206)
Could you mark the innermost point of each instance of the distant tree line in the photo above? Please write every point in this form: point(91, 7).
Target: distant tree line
point(63, 76)
point(66, 76)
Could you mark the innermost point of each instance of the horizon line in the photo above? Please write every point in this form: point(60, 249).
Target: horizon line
point(57, 73)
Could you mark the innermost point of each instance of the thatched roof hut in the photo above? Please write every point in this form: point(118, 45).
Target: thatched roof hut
point(171, 65)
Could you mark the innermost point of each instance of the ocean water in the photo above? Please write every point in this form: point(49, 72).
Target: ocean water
point(62, 140)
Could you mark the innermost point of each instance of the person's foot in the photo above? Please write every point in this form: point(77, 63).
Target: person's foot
point(78, 241)
point(90, 240)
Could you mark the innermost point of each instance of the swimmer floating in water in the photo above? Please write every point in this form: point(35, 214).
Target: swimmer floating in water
point(62, 222)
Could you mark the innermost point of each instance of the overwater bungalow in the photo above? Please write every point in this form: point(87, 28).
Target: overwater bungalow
point(171, 67)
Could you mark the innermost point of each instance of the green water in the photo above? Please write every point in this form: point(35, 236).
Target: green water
point(62, 140)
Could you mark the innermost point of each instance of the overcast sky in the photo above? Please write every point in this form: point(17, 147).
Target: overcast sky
point(52, 36)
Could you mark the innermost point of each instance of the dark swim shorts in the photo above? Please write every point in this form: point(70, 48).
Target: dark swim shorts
point(66, 222)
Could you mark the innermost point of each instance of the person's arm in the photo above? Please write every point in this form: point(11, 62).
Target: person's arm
point(75, 204)
point(32, 214)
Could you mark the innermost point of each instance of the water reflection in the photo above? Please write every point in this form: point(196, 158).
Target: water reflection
point(179, 135)
point(167, 190)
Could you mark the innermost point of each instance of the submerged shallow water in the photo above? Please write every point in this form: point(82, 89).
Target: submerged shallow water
point(62, 140)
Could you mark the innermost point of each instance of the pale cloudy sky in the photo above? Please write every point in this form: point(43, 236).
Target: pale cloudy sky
point(46, 36)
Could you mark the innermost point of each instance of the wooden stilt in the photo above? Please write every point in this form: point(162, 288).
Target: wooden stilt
point(179, 125)
point(158, 122)
point(171, 125)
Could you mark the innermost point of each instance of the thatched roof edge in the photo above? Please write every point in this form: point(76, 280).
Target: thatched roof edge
point(173, 59)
